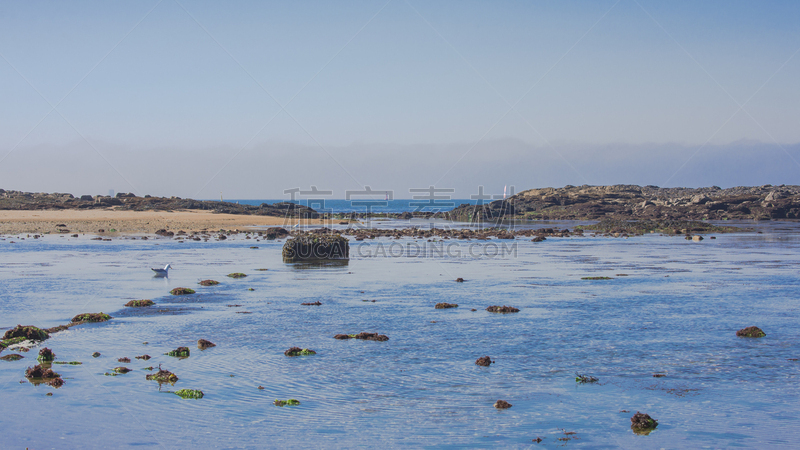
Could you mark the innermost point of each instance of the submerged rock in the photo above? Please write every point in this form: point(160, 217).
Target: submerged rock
point(28, 332)
point(585, 378)
point(502, 309)
point(162, 376)
point(124, 359)
point(203, 344)
point(12, 357)
point(181, 291)
point(189, 393)
point(290, 402)
point(39, 372)
point(363, 336)
point(143, 357)
point(181, 352)
point(139, 303)
point(95, 354)
point(753, 332)
point(209, 283)
point(91, 317)
point(46, 355)
point(445, 305)
point(484, 361)
point(297, 351)
point(643, 423)
point(237, 275)
point(316, 303)
point(502, 404)
point(459, 280)
point(597, 278)
point(122, 370)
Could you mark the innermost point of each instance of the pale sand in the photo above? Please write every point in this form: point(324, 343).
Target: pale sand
point(90, 221)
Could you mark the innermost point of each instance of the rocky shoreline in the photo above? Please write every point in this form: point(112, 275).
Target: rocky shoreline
point(630, 202)
point(17, 200)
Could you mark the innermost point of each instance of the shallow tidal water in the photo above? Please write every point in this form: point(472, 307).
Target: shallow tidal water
point(676, 312)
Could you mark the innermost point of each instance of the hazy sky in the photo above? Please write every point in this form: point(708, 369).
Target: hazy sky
point(250, 98)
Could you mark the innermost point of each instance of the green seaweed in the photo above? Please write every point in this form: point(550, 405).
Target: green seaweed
point(208, 283)
point(181, 291)
point(91, 317)
point(290, 402)
point(180, 352)
point(297, 351)
point(9, 342)
point(139, 303)
point(237, 275)
point(189, 393)
point(28, 332)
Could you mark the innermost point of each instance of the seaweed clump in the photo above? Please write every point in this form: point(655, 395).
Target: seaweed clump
point(237, 275)
point(363, 336)
point(753, 332)
point(502, 309)
point(46, 355)
point(38, 372)
point(502, 404)
point(181, 352)
point(583, 379)
point(203, 344)
point(181, 291)
point(316, 303)
point(208, 283)
point(122, 370)
point(189, 393)
point(643, 423)
point(290, 402)
point(597, 278)
point(445, 305)
point(139, 303)
point(162, 376)
point(484, 361)
point(12, 357)
point(26, 332)
point(297, 351)
point(90, 318)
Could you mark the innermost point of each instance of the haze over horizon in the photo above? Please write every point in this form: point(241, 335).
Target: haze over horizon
point(193, 98)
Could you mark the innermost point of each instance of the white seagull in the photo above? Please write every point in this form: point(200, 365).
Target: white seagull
point(162, 272)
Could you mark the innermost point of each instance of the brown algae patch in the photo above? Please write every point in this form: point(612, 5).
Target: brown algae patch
point(181, 291)
point(208, 283)
point(140, 303)
point(502, 309)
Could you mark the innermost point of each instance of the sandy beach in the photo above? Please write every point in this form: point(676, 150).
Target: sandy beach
point(90, 221)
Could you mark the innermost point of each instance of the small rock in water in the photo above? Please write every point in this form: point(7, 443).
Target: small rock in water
point(124, 360)
point(502, 309)
point(297, 351)
point(484, 361)
point(203, 344)
point(445, 305)
point(502, 404)
point(643, 423)
point(459, 280)
point(95, 354)
point(753, 332)
point(585, 378)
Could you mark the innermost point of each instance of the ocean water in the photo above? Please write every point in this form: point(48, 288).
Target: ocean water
point(676, 312)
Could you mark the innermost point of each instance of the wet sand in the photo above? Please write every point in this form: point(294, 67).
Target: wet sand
point(90, 221)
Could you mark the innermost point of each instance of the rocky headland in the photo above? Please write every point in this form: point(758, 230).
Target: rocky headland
point(629, 202)
point(17, 200)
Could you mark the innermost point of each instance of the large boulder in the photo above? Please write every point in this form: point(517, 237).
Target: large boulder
point(315, 247)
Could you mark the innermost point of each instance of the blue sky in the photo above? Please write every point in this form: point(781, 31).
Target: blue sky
point(451, 83)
